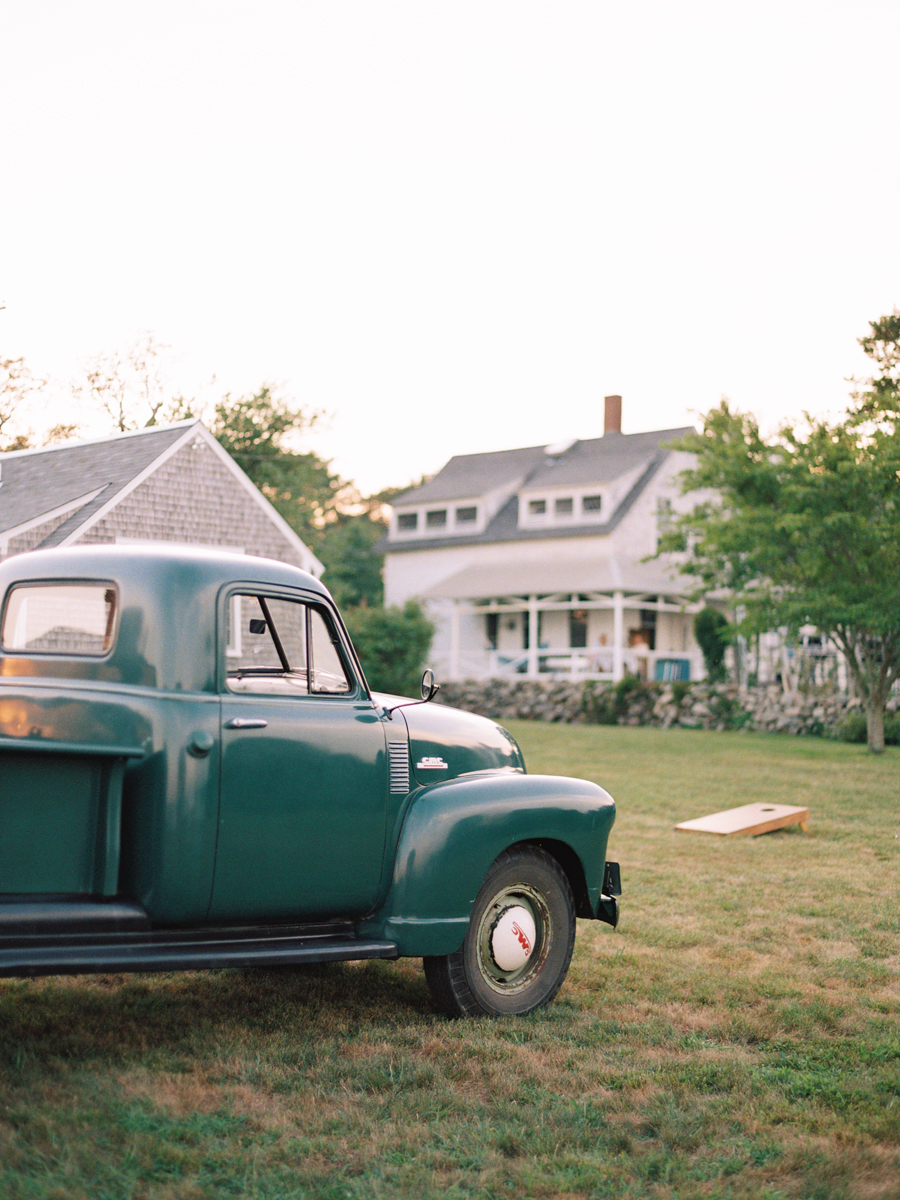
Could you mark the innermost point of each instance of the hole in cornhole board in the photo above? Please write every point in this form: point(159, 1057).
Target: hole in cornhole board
point(749, 820)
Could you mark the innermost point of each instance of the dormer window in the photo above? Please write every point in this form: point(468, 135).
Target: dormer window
point(537, 508)
point(407, 522)
point(591, 504)
point(436, 518)
point(467, 515)
point(563, 507)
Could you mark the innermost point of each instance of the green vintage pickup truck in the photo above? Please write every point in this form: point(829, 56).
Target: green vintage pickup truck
point(194, 773)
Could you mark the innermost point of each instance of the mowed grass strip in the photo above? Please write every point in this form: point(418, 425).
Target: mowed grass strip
point(737, 1036)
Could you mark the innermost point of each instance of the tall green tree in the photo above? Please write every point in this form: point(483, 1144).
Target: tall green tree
point(349, 548)
point(257, 431)
point(804, 527)
point(353, 565)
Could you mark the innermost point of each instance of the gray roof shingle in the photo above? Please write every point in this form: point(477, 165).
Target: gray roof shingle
point(34, 483)
point(579, 464)
point(469, 475)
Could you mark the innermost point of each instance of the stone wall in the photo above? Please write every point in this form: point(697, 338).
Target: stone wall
point(689, 705)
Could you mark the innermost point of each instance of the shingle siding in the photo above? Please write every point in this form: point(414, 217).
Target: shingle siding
point(32, 538)
point(193, 497)
point(169, 483)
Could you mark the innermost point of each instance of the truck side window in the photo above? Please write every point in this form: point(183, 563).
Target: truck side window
point(59, 618)
point(282, 647)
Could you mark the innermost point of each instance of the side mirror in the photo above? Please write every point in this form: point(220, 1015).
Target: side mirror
point(429, 688)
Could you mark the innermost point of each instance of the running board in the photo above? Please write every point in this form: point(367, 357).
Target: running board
point(184, 954)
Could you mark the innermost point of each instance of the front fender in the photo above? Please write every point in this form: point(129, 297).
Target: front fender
point(453, 831)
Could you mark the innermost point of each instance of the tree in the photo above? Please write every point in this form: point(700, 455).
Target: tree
point(804, 527)
point(18, 387)
point(392, 644)
point(256, 431)
point(348, 548)
point(882, 345)
point(130, 385)
point(352, 564)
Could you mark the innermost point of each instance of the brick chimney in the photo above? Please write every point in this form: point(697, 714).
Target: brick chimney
point(612, 414)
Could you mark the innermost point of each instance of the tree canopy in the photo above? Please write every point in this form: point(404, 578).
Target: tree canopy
point(804, 527)
point(392, 644)
point(257, 431)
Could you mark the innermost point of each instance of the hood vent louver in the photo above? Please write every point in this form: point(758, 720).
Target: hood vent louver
point(399, 768)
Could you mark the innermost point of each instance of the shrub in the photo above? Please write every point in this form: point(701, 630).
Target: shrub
point(392, 644)
point(712, 634)
point(853, 729)
point(605, 705)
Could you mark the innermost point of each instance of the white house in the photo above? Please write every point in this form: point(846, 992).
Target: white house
point(532, 561)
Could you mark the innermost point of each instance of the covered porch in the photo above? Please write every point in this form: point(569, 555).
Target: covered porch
point(594, 618)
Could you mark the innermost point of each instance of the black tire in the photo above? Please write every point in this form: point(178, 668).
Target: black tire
point(523, 882)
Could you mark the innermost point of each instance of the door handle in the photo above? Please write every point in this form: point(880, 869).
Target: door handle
point(246, 723)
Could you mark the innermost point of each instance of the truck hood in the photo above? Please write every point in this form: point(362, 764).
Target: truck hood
point(445, 743)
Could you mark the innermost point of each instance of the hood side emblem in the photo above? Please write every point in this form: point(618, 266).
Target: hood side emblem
point(431, 762)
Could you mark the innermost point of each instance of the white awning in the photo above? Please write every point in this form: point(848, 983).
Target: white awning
point(604, 573)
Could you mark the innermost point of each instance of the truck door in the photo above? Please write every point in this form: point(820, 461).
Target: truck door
point(304, 776)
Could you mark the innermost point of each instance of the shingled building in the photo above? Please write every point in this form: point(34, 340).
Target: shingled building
point(166, 483)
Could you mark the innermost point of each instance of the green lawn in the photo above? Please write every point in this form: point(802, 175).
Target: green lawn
point(737, 1036)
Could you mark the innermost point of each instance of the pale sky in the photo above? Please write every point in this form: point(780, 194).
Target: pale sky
point(456, 226)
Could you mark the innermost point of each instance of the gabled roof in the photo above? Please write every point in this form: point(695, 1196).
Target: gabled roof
point(76, 483)
point(578, 464)
point(79, 476)
point(595, 460)
point(469, 475)
point(601, 460)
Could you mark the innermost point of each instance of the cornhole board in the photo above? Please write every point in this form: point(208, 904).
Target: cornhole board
point(747, 821)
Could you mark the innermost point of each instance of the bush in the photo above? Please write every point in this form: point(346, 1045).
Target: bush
point(392, 644)
point(853, 729)
point(605, 705)
point(712, 633)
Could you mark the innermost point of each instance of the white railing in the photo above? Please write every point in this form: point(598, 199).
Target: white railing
point(566, 663)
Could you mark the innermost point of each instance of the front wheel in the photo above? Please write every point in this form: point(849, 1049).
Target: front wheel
point(519, 942)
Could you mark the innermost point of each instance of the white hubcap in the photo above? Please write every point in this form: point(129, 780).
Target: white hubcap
point(512, 938)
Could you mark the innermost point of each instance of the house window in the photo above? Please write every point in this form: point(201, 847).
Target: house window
point(407, 522)
point(467, 515)
point(563, 507)
point(436, 519)
point(537, 508)
point(591, 504)
point(578, 628)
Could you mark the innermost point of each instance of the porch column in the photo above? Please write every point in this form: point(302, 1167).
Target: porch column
point(454, 639)
point(533, 647)
point(618, 636)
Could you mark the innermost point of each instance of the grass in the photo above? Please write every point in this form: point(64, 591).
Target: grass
point(738, 1036)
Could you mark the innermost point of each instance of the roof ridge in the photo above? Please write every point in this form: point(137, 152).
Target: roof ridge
point(74, 443)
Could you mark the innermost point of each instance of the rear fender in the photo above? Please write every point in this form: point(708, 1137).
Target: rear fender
point(453, 831)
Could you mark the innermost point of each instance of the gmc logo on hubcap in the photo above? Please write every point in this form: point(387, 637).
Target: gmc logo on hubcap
point(523, 940)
